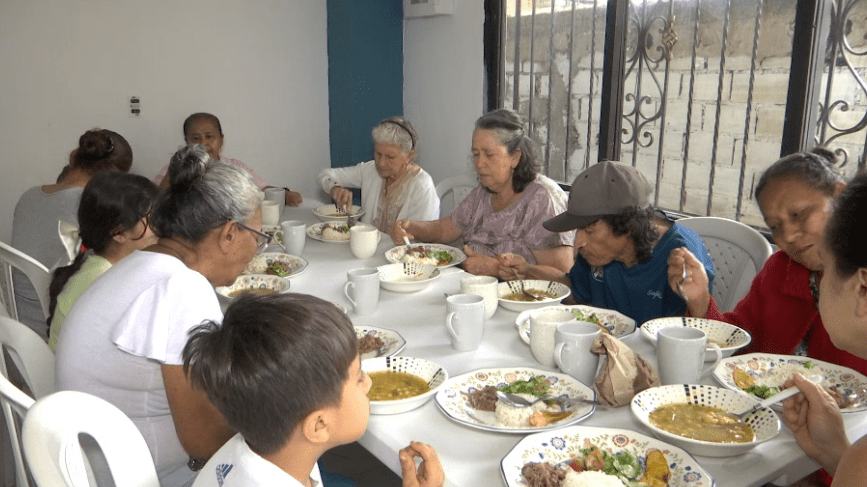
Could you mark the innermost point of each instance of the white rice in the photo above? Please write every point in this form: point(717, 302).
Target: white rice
point(590, 478)
point(776, 376)
point(409, 259)
point(514, 417)
point(329, 233)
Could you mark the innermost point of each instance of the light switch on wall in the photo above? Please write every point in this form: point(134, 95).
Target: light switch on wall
point(134, 106)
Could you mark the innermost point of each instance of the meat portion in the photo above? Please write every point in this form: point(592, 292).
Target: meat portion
point(369, 343)
point(484, 399)
point(542, 475)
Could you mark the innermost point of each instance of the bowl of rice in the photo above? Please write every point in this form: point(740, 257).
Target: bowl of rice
point(521, 295)
point(730, 338)
point(406, 277)
point(764, 423)
point(253, 283)
point(417, 378)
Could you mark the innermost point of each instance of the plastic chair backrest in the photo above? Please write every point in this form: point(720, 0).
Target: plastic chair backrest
point(738, 252)
point(15, 403)
point(458, 187)
point(38, 274)
point(75, 439)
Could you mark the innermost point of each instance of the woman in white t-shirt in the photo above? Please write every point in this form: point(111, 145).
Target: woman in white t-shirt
point(122, 341)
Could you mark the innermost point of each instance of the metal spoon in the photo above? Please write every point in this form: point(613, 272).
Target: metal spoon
point(519, 402)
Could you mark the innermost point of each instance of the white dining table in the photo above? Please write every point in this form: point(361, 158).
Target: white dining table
point(471, 457)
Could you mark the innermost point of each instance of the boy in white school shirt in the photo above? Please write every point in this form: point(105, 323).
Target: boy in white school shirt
point(285, 372)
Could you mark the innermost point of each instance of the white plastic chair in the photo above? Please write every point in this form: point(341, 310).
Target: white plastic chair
point(38, 274)
point(75, 439)
point(453, 190)
point(738, 253)
point(34, 362)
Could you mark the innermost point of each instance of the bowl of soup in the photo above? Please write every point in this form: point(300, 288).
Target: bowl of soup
point(521, 295)
point(402, 384)
point(698, 418)
point(253, 283)
point(730, 338)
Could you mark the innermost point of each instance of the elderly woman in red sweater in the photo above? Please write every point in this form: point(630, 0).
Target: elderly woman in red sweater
point(796, 196)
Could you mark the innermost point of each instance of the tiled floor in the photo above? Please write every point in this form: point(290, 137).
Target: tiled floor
point(358, 465)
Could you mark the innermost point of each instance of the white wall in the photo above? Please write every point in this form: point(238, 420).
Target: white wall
point(68, 66)
point(444, 85)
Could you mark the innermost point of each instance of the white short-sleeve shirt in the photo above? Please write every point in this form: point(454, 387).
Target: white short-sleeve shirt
point(236, 465)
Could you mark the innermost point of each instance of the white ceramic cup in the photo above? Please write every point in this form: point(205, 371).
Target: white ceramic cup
point(465, 320)
point(277, 195)
point(680, 354)
point(484, 286)
point(294, 236)
point(572, 342)
point(270, 213)
point(543, 325)
point(363, 241)
point(362, 290)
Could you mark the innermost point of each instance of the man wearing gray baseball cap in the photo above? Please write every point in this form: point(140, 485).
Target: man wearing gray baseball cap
point(622, 245)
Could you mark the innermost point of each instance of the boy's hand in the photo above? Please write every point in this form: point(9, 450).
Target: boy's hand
point(430, 471)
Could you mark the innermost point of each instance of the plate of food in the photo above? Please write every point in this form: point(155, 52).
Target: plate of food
point(276, 264)
point(471, 399)
point(614, 323)
point(378, 342)
point(333, 232)
point(253, 283)
point(763, 374)
point(331, 213)
point(521, 295)
point(431, 254)
point(622, 452)
point(275, 232)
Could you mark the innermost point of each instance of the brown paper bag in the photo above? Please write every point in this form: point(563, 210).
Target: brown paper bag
point(624, 374)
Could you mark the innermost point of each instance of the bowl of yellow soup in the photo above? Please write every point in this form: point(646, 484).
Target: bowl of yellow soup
point(253, 283)
point(521, 295)
point(698, 419)
point(402, 384)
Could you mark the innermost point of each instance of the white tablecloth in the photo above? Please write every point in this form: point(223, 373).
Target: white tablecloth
point(471, 457)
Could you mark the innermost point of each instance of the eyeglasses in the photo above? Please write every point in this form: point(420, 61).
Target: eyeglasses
point(263, 240)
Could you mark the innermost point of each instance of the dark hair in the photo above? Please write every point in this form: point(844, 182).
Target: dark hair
point(100, 150)
point(274, 360)
point(111, 203)
point(509, 128)
point(845, 234)
point(816, 169)
point(638, 225)
point(202, 196)
point(201, 116)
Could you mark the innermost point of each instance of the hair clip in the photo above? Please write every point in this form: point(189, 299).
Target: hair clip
point(397, 121)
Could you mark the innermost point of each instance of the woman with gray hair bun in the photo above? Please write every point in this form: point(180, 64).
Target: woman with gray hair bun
point(392, 186)
point(504, 214)
point(123, 339)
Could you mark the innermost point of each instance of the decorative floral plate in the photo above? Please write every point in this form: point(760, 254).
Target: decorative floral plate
point(616, 323)
point(315, 232)
point(392, 342)
point(560, 446)
point(260, 263)
point(452, 400)
point(846, 380)
point(277, 233)
point(395, 254)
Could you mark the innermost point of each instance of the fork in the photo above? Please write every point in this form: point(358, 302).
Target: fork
point(784, 394)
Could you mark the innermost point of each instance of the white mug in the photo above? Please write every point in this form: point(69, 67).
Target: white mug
point(364, 284)
point(465, 320)
point(680, 354)
point(484, 286)
point(294, 236)
point(277, 195)
point(572, 342)
point(270, 213)
point(543, 325)
point(363, 241)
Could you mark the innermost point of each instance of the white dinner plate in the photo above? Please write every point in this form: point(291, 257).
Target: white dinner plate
point(560, 446)
point(260, 263)
point(453, 403)
point(392, 342)
point(618, 324)
point(395, 254)
point(315, 232)
point(844, 379)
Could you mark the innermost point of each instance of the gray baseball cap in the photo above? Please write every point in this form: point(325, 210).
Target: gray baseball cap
point(605, 188)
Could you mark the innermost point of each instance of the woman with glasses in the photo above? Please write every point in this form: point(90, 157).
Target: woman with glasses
point(393, 186)
point(122, 341)
point(34, 226)
point(113, 222)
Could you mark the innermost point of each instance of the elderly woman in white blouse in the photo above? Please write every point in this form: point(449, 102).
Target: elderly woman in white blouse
point(392, 186)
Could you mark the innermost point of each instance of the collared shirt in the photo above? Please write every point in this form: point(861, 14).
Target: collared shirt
point(236, 465)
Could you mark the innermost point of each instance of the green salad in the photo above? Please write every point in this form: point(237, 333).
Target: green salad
point(536, 385)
